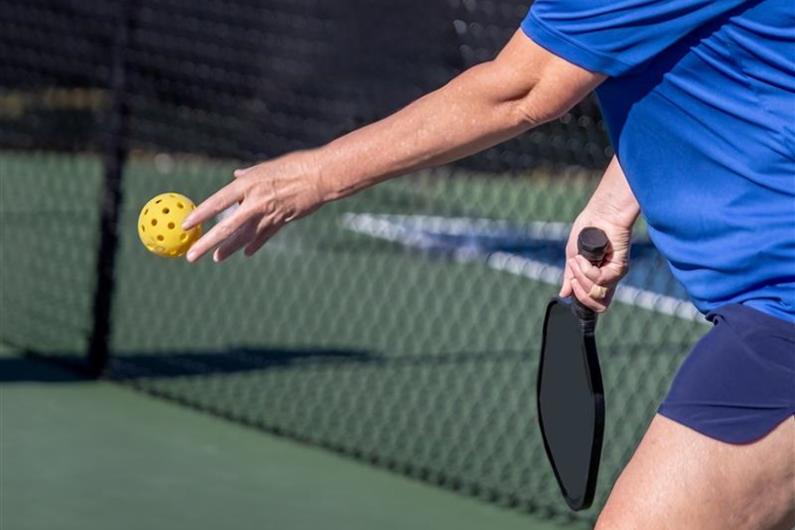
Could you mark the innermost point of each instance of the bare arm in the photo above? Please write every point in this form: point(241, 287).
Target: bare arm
point(524, 86)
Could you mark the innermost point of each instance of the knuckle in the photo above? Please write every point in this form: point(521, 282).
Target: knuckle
point(262, 202)
point(264, 225)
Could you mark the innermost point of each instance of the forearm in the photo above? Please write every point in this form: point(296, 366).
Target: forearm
point(484, 106)
point(459, 119)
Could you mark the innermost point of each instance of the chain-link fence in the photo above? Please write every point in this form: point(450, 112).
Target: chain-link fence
point(400, 326)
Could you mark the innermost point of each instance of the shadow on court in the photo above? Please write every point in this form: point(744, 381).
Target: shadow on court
point(29, 369)
point(35, 367)
point(166, 364)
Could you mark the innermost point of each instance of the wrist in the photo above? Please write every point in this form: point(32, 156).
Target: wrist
point(614, 202)
point(324, 167)
point(621, 215)
point(308, 164)
point(601, 211)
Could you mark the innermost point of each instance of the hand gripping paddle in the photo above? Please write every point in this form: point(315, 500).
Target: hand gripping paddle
point(571, 409)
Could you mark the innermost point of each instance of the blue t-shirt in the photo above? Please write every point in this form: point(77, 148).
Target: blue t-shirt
point(700, 106)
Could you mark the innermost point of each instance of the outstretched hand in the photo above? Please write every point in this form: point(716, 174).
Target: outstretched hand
point(269, 195)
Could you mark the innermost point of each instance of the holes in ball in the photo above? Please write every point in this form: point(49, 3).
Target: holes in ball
point(143, 228)
point(154, 222)
point(160, 237)
point(165, 211)
point(146, 211)
point(179, 205)
point(183, 237)
point(158, 201)
point(171, 226)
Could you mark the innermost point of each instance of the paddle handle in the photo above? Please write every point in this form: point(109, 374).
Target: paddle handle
point(592, 244)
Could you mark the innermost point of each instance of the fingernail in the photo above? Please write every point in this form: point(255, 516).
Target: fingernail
point(191, 256)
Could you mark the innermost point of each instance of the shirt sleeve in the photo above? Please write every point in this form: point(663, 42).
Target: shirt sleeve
point(613, 37)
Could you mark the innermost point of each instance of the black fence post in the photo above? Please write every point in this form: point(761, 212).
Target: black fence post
point(115, 157)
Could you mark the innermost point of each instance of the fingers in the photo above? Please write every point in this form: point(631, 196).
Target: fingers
point(586, 284)
point(568, 275)
point(261, 239)
point(597, 292)
point(238, 240)
point(582, 295)
point(252, 235)
point(591, 272)
point(243, 171)
point(586, 274)
point(215, 204)
point(219, 233)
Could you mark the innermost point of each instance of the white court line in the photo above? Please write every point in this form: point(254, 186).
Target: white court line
point(546, 231)
point(404, 229)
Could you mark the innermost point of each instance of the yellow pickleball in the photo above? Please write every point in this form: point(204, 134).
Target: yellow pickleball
point(160, 225)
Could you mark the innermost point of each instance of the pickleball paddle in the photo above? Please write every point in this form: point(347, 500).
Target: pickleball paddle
point(571, 409)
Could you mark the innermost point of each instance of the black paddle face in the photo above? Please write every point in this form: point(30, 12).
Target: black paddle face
point(570, 403)
point(571, 410)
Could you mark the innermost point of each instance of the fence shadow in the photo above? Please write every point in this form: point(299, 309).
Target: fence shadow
point(35, 369)
point(233, 360)
point(70, 366)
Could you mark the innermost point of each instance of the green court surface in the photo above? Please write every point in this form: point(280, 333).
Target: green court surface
point(93, 455)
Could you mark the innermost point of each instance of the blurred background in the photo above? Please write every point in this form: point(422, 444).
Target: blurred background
point(398, 329)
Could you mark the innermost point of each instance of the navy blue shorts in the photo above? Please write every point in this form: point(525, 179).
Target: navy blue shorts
point(738, 383)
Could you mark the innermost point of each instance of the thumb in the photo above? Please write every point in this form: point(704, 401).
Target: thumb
point(565, 288)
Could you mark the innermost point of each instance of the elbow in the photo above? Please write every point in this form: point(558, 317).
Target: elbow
point(530, 112)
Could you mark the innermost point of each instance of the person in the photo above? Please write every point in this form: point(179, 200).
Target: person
point(699, 98)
